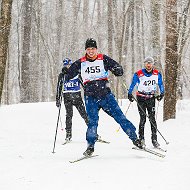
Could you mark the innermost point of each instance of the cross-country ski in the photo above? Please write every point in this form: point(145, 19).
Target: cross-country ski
point(83, 158)
point(150, 151)
point(102, 141)
point(66, 142)
point(160, 149)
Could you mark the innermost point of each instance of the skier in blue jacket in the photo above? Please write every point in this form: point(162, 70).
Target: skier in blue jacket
point(147, 81)
point(93, 68)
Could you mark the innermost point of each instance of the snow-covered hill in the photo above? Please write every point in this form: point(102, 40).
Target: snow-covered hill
point(27, 163)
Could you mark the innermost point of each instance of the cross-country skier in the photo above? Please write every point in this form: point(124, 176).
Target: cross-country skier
point(147, 80)
point(93, 68)
point(72, 97)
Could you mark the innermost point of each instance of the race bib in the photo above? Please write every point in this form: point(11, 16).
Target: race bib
point(93, 71)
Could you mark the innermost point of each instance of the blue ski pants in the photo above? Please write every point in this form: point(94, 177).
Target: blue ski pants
point(111, 107)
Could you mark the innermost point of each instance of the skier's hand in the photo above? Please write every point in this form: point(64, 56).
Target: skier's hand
point(160, 97)
point(130, 97)
point(117, 70)
point(65, 70)
point(58, 102)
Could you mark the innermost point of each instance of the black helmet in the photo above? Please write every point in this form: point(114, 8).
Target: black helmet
point(90, 42)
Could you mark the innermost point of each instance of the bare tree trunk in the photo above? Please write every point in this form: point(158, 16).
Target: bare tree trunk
point(184, 33)
point(56, 60)
point(142, 32)
point(132, 39)
point(155, 32)
point(6, 89)
point(85, 18)
point(124, 44)
point(5, 23)
point(25, 67)
point(171, 60)
point(59, 22)
point(126, 51)
point(116, 40)
point(110, 28)
point(35, 71)
point(139, 48)
point(75, 11)
point(110, 39)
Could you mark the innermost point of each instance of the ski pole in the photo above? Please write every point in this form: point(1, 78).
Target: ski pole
point(149, 119)
point(63, 79)
point(57, 126)
point(125, 115)
point(61, 123)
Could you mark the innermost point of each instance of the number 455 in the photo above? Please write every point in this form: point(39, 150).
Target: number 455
point(93, 69)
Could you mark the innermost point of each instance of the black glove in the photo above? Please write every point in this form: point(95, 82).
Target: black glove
point(130, 97)
point(58, 103)
point(65, 70)
point(159, 97)
point(117, 70)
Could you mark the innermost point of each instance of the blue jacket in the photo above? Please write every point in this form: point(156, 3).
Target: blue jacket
point(70, 86)
point(147, 74)
point(73, 85)
point(96, 88)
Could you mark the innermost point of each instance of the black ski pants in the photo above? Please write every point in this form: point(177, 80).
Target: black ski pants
point(149, 105)
point(73, 99)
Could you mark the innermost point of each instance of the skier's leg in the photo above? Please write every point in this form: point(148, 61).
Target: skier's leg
point(81, 109)
point(92, 112)
point(151, 114)
point(69, 115)
point(141, 104)
point(112, 108)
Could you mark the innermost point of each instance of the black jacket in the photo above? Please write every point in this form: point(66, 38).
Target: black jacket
point(96, 88)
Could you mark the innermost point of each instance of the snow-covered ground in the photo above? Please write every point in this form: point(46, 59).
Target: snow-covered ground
point(27, 134)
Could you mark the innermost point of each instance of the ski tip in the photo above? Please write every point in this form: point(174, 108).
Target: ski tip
point(66, 142)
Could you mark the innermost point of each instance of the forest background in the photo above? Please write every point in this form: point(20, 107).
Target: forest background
point(35, 36)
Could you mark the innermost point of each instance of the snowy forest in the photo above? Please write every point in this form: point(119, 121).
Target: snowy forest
point(35, 36)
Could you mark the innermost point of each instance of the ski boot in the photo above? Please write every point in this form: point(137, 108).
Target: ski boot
point(138, 144)
point(89, 151)
point(155, 143)
point(142, 141)
point(68, 136)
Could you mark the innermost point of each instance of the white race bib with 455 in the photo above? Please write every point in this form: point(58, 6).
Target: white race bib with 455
point(93, 71)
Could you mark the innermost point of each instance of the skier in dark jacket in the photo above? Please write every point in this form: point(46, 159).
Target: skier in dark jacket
point(72, 97)
point(93, 68)
point(147, 80)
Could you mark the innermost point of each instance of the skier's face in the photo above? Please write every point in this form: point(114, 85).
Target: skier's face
point(148, 66)
point(91, 52)
point(68, 65)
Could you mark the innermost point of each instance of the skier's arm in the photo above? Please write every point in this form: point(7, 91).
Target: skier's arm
point(113, 66)
point(73, 70)
point(59, 86)
point(133, 83)
point(160, 83)
point(80, 80)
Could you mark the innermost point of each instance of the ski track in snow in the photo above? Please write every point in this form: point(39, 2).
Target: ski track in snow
point(27, 162)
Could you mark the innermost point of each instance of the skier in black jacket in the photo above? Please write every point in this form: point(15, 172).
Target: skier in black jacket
point(72, 97)
point(93, 68)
